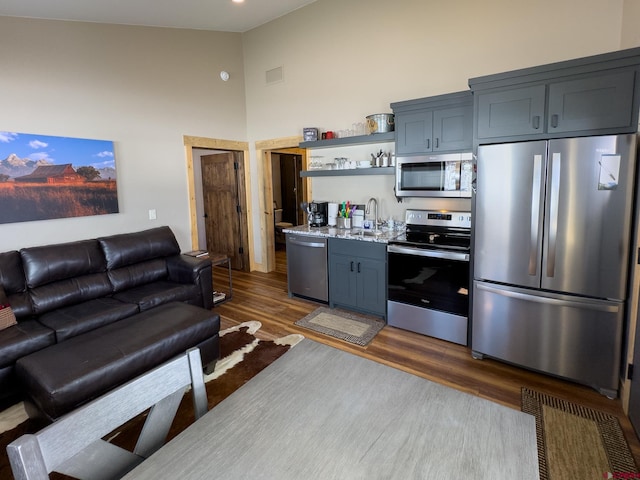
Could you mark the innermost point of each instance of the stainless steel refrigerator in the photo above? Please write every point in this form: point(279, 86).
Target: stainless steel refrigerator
point(553, 222)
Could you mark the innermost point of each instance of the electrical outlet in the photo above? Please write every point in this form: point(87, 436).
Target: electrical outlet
point(152, 214)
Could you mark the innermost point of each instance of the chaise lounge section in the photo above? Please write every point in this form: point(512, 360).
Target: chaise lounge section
point(64, 294)
point(56, 382)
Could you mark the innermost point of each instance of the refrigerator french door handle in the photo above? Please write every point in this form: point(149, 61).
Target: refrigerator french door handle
point(612, 308)
point(553, 213)
point(535, 214)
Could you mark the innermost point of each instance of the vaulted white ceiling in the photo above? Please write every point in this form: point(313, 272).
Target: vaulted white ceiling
point(219, 15)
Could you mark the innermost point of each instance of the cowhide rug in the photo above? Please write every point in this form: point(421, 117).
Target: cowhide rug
point(242, 355)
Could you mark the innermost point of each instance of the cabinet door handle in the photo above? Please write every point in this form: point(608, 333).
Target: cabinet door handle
point(428, 143)
point(358, 267)
point(437, 142)
point(554, 120)
point(536, 122)
point(351, 266)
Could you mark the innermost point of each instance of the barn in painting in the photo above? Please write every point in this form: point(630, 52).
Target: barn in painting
point(52, 174)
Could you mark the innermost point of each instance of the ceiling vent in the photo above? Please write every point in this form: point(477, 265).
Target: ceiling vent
point(275, 75)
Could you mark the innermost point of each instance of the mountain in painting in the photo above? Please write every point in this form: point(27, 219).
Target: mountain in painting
point(15, 166)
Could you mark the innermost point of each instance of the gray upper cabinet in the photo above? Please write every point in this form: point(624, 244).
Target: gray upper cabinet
point(587, 96)
point(593, 102)
point(453, 129)
point(414, 132)
point(443, 123)
point(518, 111)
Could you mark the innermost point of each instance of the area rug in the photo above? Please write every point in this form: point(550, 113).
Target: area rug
point(577, 442)
point(242, 356)
point(346, 326)
point(320, 412)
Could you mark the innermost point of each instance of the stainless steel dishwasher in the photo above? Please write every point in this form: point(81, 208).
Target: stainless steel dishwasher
point(307, 267)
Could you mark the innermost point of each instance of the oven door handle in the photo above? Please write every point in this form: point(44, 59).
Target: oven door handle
point(419, 252)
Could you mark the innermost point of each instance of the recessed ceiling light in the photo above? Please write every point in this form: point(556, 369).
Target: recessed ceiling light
point(237, 1)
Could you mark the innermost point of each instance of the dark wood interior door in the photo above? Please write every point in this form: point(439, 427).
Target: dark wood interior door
point(224, 207)
point(290, 166)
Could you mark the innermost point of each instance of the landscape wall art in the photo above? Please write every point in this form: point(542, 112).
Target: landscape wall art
point(44, 177)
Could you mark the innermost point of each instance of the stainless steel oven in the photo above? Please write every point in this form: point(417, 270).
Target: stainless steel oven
point(428, 275)
point(444, 175)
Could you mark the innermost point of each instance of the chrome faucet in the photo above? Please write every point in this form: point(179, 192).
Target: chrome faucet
point(367, 211)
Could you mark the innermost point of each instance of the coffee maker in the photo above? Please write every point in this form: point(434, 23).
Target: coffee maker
point(318, 214)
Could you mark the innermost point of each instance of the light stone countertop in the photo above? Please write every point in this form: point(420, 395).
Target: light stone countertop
point(361, 234)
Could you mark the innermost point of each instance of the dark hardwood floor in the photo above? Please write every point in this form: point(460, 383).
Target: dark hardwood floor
point(263, 297)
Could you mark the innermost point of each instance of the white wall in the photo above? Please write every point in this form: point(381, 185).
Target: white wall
point(346, 59)
point(630, 35)
point(143, 88)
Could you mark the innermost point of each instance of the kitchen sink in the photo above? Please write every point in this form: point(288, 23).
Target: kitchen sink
point(372, 233)
point(366, 232)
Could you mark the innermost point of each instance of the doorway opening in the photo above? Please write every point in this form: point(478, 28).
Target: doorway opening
point(287, 187)
point(219, 198)
point(267, 151)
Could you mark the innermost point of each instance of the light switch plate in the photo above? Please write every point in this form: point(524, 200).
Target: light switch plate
point(152, 214)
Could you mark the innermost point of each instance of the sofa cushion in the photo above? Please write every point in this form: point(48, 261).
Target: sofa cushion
point(51, 263)
point(65, 274)
point(64, 376)
point(14, 284)
point(70, 321)
point(130, 248)
point(159, 292)
point(26, 337)
point(70, 292)
point(11, 275)
point(138, 274)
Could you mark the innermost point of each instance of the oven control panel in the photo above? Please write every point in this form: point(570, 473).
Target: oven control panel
point(441, 218)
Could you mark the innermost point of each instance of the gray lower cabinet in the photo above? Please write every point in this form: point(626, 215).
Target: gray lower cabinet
point(358, 276)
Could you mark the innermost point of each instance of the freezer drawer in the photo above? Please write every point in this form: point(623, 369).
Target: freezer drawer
point(571, 337)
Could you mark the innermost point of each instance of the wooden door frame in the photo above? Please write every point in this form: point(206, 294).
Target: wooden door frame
point(191, 142)
point(264, 149)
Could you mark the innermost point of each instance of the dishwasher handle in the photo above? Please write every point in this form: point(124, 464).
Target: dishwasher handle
point(307, 244)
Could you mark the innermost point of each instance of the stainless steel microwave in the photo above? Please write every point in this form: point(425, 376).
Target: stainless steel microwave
point(444, 175)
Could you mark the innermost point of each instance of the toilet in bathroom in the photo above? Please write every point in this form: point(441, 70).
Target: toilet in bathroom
point(280, 225)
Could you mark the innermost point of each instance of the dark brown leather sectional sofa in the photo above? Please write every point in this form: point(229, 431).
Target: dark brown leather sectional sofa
point(112, 292)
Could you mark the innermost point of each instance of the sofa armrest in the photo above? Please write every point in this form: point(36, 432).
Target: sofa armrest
point(187, 269)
